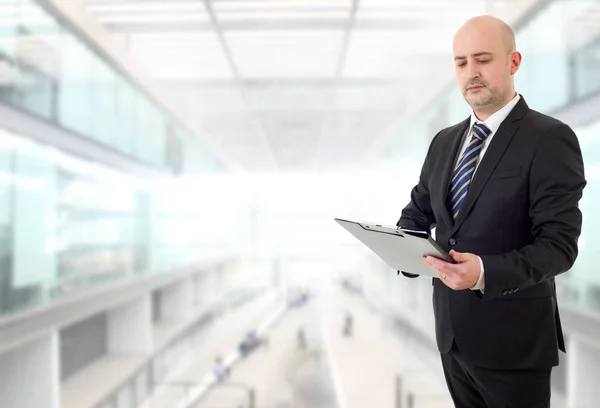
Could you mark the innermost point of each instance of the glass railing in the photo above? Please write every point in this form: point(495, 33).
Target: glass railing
point(47, 70)
point(578, 293)
point(585, 70)
point(67, 225)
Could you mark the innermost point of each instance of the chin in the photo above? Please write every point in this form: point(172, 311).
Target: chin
point(479, 100)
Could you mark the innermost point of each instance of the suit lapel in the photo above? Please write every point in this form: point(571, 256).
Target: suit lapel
point(492, 156)
point(449, 168)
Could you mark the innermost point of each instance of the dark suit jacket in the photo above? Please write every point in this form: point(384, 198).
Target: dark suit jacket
point(521, 217)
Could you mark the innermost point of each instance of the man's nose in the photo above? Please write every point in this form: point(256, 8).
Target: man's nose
point(473, 71)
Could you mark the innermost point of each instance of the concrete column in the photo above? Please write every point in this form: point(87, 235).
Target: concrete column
point(218, 280)
point(177, 302)
point(212, 289)
point(197, 295)
point(130, 328)
point(230, 273)
point(203, 292)
point(30, 375)
point(583, 371)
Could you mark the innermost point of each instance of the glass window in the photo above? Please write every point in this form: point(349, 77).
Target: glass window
point(74, 106)
point(8, 27)
point(65, 224)
point(36, 51)
point(586, 70)
point(97, 210)
point(584, 268)
point(124, 131)
point(103, 102)
point(34, 218)
point(49, 71)
point(144, 130)
point(581, 285)
point(153, 146)
point(545, 60)
point(6, 230)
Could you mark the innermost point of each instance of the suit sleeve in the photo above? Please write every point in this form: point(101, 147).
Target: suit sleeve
point(418, 215)
point(556, 183)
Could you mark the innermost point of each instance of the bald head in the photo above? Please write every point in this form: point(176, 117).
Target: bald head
point(489, 26)
point(486, 59)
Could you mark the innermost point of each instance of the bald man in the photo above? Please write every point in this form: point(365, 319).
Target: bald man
point(502, 189)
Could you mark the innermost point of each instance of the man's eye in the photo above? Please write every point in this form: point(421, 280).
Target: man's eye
point(483, 61)
point(461, 64)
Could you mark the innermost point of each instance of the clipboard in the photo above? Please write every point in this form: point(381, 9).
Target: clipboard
point(402, 249)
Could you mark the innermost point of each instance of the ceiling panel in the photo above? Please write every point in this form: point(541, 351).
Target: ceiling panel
point(390, 96)
point(301, 84)
point(285, 54)
point(349, 127)
point(242, 135)
point(123, 7)
point(249, 6)
point(155, 18)
point(181, 56)
point(290, 98)
point(205, 100)
point(396, 54)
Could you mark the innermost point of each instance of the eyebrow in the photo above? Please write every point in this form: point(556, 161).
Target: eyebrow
point(477, 54)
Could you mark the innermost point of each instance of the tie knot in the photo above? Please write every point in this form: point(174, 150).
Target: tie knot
point(481, 131)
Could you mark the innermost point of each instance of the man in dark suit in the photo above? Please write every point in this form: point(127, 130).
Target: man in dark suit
point(502, 189)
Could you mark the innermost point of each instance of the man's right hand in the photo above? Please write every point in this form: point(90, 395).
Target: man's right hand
point(408, 275)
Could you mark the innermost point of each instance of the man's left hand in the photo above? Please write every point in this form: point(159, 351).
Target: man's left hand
point(464, 274)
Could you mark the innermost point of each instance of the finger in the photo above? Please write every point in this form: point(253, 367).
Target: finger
point(451, 269)
point(435, 262)
point(444, 268)
point(458, 256)
point(446, 279)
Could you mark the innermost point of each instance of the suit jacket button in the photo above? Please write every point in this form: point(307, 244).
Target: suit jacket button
point(451, 242)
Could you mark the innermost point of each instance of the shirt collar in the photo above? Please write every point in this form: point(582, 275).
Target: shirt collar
point(494, 121)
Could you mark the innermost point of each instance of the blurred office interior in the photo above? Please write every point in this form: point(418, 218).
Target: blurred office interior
point(169, 174)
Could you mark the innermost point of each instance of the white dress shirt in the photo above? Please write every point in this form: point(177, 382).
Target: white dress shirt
point(493, 123)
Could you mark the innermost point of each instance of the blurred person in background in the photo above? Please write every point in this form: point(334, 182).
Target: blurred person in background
point(219, 370)
point(502, 190)
point(301, 338)
point(249, 343)
point(348, 325)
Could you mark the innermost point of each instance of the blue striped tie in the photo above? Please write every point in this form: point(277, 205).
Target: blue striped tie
point(463, 172)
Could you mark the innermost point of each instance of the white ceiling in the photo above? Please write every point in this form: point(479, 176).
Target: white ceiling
point(292, 85)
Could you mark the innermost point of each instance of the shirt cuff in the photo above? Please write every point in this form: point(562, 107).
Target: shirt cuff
point(480, 285)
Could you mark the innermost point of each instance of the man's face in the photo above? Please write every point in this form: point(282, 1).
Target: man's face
point(483, 67)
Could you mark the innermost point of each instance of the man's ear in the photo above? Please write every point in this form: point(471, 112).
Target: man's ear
point(515, 61)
